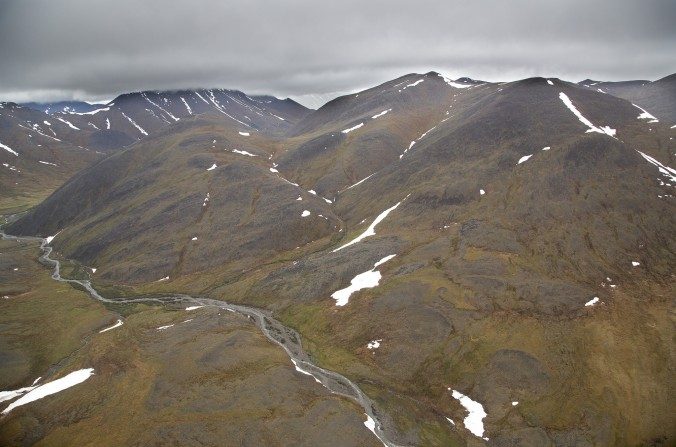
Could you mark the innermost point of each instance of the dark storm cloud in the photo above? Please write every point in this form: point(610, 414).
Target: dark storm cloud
point(90, 48)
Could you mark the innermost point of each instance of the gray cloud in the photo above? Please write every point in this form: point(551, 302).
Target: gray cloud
point(99, 48)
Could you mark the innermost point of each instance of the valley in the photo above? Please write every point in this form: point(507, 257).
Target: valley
point(466, 263)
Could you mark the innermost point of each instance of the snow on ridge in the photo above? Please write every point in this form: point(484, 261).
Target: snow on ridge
point(378, 115)
point(592, 128)
point(93, 112)
point(664, 170)
point(9, 149)
point(352, 128)
point(68, 123)
point(371, 230)
point(140, 129)
point(645, 115)
point(118, 324)
point(453, 83)
point(413, 84)
point(47, 163)
point(550, 82)
point(52, 387)
point(474, 420)
point(366, 280)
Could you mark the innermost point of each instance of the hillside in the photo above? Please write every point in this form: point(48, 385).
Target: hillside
point(521, 235)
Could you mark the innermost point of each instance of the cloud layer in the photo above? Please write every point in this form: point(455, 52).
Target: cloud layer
point(99, 48)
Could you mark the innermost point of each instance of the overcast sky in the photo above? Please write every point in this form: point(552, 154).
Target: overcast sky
point(91, 49)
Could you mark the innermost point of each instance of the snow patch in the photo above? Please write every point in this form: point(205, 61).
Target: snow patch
point(366, 280)
point(193, 307)
point(524, 158)
point(53, 387)
point(474, 420)
point(592, 301)
point(305, 213)
point(244, 134)
point(213, 166)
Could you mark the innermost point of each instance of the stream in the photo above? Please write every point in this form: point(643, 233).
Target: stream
point(275, 331)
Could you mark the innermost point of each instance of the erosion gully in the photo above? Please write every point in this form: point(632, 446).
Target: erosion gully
point(275, 331)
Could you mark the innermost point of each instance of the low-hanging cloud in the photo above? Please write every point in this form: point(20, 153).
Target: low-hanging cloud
point(99, 48)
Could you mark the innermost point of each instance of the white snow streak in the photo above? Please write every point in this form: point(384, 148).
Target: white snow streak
point(664, 170)
point(140, 129)
point(352, 128)
point(371, 230)
point(592, 128)
point(645, 115)
point(118, 324)
point(378, 115)
point(186, 105)
point(359, 182)
point(47, 163)
point(213, 166)
point(9, 149)
point(93, 112)
point(244, 153)
point(68, 123)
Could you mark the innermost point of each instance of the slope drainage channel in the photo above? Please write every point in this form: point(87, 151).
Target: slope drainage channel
point(275, 331)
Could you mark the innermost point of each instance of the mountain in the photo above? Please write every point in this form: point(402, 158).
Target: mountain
point(136, 115)
point(72, 128)
point(443, 243)
point(34, 157)
point(657, 97)
point(62, 106)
